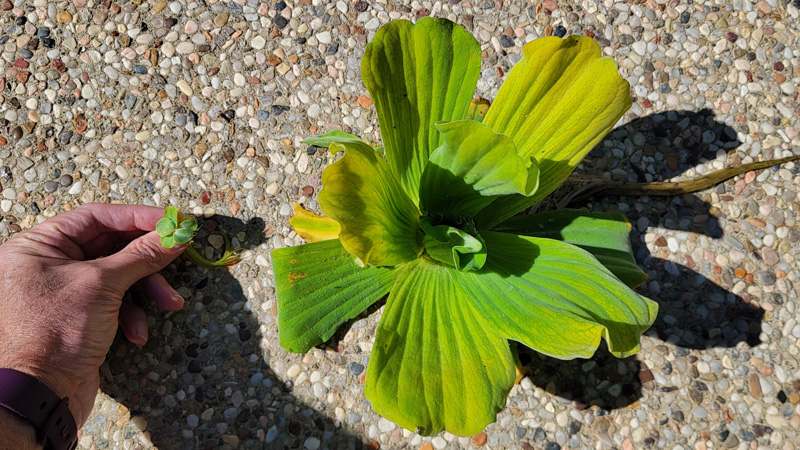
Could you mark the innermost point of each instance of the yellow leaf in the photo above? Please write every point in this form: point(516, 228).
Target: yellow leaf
point(379, 222)
point(557, 103)
point(313, 227)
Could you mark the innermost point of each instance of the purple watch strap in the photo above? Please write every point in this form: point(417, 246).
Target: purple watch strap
point(30, 399)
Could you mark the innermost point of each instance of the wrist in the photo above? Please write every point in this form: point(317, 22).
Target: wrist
point(38, 366)
point(55, 371)
point(32, 402)
point(28, 366)
point(55, 383)
point(16, 433)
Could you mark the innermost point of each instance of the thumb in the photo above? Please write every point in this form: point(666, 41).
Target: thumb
point(142, 257)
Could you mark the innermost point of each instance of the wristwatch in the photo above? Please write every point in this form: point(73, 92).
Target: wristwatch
point(34, 402)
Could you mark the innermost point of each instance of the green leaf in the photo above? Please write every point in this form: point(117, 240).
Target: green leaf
point(165, 227)
point(436, 364)
point(189, 224)
point(171, 213)
point(168, 241)
point(379, 223)
point(453, 247)
point(319, 287)
point(471, 168)
point(325, 140)
point(183, 235)
point(419, 75)
point(556, 104)
point(604, 235)
point(555, 298)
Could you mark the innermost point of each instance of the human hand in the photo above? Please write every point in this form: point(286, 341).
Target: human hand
point(61, 294)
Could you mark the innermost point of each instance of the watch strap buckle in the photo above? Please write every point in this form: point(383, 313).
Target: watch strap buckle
point(56, 432)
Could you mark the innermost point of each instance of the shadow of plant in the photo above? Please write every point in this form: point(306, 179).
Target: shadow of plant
point(694, 312)
point(217, 390)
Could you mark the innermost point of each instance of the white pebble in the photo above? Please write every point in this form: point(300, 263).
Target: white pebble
point(293, 371)
point(439, 443)
point(324, 37)
point(672, 243)
point(183, 85)
point(258, 42)
point(386, 425)
point(76, 188)
point(87, 91)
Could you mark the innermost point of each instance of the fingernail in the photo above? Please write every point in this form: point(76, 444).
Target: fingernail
point(179, 301)
point(141, 330)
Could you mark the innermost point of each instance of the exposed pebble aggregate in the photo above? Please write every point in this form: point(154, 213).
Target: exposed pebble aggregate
point(204, 104)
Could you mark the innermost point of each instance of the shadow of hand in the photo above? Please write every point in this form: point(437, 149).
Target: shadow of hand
point(220, 390)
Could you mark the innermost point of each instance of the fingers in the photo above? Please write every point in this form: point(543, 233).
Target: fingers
point(132, 318)
point(104, 243)
point(158, 290)
point(141, 258)
point(41, 242)
point(89, 221)
point(133, 322)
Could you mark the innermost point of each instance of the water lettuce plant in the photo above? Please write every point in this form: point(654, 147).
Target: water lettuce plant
point(176, 228)
point(429, 219)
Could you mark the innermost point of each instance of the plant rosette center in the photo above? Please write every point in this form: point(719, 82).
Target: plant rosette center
point(457, 246)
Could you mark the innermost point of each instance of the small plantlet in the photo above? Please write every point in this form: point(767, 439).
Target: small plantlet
point(176, 228)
